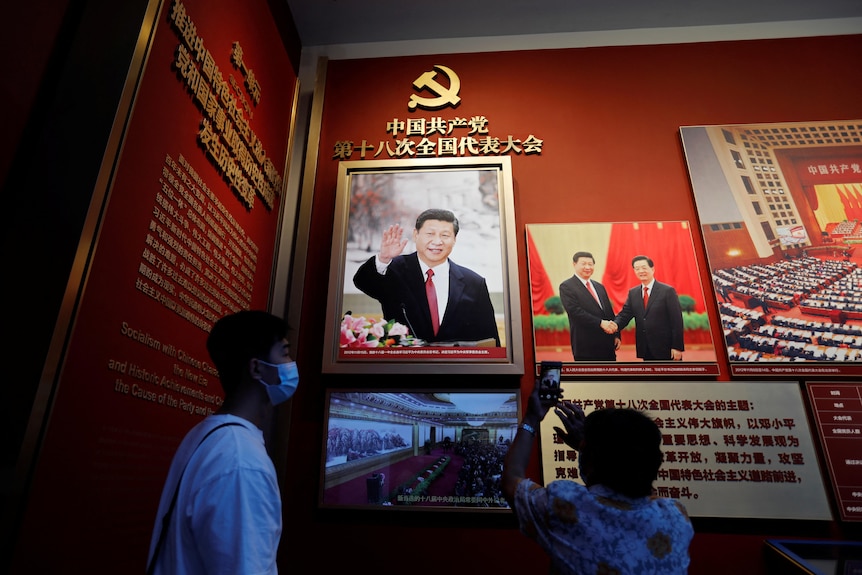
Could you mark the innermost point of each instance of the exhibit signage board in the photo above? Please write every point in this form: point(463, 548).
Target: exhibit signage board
point(731, 449)
point(185, 233)
point(837, 411)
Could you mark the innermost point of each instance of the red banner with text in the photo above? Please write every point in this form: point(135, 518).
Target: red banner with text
point(187, 236)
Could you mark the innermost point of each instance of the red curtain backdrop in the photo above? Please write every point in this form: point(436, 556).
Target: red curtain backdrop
point(811, 195)
point(855, 201)
point(845, 201)
point(540, 284)
point(670, 247)
point(852, 204)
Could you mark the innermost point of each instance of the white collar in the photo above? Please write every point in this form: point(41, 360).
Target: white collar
point(438, 269)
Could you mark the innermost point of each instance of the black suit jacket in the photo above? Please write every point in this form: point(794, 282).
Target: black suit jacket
point(589, 341)
point(658, 328)
point(469, 314)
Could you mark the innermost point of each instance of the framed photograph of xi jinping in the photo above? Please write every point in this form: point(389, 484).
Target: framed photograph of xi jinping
point(423, 268)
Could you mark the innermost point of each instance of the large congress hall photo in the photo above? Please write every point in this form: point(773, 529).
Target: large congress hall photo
point(781, 214)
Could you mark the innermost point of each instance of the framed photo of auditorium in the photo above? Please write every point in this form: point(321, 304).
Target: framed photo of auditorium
point(670, 335)
point(396, 222)
point(404, 450)
point(780, 209)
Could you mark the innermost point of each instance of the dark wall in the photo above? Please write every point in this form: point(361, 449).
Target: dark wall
point(66, 108)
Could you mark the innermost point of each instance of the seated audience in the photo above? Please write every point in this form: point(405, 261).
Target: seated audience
point(481, 472)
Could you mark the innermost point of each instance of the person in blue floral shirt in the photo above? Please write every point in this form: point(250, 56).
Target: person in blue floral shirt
point(613, 525)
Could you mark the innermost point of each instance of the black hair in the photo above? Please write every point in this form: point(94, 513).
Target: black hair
point(237, 338)
point(579, 255)
point(647, 259)
point(622, 450)
point(437, 214)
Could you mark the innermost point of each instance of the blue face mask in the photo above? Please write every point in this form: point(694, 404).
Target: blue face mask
point(288, 377)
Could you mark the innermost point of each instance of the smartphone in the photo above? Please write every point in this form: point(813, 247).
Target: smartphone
point(549, 379)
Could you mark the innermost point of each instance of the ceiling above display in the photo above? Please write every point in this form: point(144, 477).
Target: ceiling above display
point(323, 22)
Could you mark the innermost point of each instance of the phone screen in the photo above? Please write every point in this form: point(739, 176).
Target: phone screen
point(549, 382)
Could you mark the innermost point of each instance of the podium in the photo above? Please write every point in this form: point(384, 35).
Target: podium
point(374, 488)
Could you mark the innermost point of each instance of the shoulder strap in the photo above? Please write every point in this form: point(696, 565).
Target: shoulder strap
point(167, 517)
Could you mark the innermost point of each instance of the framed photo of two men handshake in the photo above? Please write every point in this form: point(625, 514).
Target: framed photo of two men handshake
point(424, 269)
point(619, 298)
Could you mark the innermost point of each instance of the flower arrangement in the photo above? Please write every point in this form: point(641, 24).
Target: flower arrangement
point(363, 332)
point(419, 483)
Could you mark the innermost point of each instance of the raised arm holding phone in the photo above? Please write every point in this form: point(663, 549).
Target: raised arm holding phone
point(612, 524)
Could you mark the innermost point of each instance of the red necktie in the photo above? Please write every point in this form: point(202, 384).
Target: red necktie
point(593, 292)
point(646, 296)
point(431, 294)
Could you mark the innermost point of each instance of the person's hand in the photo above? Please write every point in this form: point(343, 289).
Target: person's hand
point(676, 355)
point(609, 326)
point(572, 417)
point(537, 407)
point(392, 243)
point(617, 343)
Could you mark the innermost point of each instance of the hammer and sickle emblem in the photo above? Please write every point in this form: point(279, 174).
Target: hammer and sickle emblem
point(445, 96)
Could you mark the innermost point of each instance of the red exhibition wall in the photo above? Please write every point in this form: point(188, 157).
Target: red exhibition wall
point(187, 235)
point(609, 121)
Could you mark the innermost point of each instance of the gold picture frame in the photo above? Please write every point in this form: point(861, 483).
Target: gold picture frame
point(371, 196)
